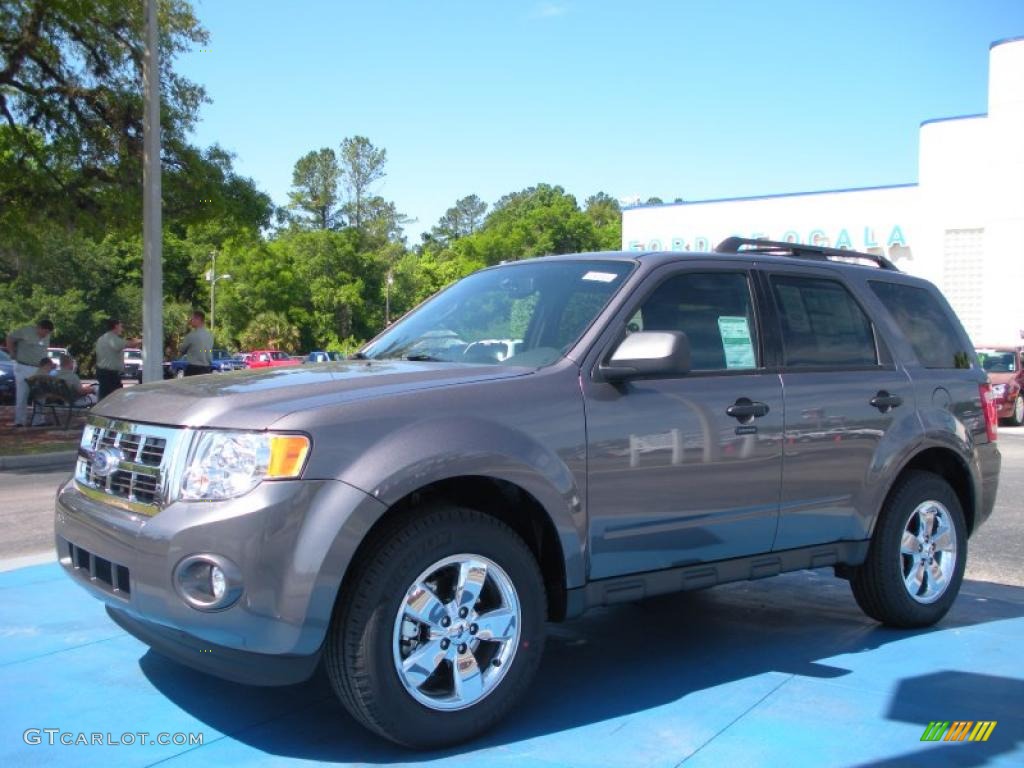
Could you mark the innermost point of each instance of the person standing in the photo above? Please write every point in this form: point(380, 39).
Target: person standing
point(110, 358)
point(197, 346)
point(26, 346)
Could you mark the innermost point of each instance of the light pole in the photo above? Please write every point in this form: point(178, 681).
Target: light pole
point(152, 214)
point(387, 299)
point(213, 277)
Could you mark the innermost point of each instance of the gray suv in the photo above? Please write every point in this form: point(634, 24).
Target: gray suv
point(412, 517)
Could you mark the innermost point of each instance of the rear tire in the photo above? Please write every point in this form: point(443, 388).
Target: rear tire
point(916, 560)
point(440, 593)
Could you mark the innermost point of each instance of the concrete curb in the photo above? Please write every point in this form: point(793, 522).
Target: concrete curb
point(24, 561)
point(39, 460)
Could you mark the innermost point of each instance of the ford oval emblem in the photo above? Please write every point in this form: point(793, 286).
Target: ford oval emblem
point(106, 461)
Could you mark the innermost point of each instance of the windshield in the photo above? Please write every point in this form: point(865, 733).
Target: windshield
point(997, 362)
point(528, 313)
point(133, 354)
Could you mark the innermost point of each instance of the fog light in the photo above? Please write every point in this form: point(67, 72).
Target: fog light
point(208, 582)
point(218, 582)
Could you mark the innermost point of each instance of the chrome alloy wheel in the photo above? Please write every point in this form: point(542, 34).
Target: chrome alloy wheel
point(928, 552)
point(456, 632)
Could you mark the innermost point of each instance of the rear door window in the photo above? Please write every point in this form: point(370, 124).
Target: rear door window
point(823, 326)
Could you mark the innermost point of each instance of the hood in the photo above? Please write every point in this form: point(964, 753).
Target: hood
point(254, 399)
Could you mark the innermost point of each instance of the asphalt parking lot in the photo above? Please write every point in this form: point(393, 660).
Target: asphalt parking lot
point(785, 671)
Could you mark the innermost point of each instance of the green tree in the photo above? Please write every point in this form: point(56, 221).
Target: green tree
point(463, 218)
point(606, 214)
point(539, 220)
point(271, 330)
point(315, 187)
point(70, 96)
point(362, 164)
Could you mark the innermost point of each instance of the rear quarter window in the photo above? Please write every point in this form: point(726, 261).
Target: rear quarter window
point(925, 323)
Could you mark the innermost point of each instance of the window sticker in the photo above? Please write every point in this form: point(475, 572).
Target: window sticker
point(736, 341)
point(600, 277)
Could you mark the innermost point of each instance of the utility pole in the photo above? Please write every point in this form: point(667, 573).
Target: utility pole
point(387, 299)
point(152, 225)
point(213, 277)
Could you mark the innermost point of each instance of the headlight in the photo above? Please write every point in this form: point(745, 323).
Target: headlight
point(223, 465)
point(998, 390)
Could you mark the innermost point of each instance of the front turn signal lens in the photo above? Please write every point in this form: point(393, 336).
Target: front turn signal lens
point(287, 456)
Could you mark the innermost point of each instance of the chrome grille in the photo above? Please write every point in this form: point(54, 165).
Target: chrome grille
point(143, 452)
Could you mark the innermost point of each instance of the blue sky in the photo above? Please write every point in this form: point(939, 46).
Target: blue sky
point(675, 99)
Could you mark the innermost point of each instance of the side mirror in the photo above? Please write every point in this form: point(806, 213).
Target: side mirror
point(647, 354)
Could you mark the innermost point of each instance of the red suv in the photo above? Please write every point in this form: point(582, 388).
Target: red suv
point(1005, 367)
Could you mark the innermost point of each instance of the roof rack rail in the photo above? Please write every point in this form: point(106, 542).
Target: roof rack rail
point(799, 251)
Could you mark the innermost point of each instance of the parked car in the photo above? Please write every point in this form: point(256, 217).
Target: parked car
point(7, 385)
point(320, 356)
point(132, 363)
point(54, 354)
point(410, 524)
point(222, 361)
point(1005, 367)
point(271, 358)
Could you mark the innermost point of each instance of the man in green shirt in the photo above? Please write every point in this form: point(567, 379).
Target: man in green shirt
point(110, 358)
point(26, 346)
point(197, 346)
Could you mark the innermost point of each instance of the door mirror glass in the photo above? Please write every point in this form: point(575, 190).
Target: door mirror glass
point(648, 354)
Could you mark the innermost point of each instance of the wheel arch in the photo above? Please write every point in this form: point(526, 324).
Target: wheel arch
point(951, 467)
point(496, 497)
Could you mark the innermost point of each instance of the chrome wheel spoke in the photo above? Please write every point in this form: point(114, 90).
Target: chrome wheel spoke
point(926, 521)
point(424, 606)
point(422, 663)
point(910, 545)
point(915, 578)
point(943, 539)
point(936, 577)
point(472, 575)
point(499, 624)
point(468, 680)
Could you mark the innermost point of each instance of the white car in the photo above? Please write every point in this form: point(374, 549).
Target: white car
point(132, 363)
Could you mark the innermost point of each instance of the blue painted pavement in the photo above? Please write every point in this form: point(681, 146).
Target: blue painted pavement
point(785, 671)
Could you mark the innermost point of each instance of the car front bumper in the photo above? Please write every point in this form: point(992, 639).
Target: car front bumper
point(290, 540)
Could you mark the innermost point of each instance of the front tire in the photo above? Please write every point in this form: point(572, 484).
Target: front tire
point(916, 560)
point(440, 628)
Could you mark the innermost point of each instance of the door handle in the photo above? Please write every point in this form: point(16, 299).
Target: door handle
point(885, 402)
point(745, 409)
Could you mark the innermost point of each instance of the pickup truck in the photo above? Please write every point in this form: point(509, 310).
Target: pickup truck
point(221, 361)
point(271, 358)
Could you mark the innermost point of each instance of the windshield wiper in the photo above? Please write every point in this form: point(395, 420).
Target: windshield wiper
point(424, 359)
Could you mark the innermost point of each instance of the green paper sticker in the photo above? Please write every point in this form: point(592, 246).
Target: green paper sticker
point(736, 342)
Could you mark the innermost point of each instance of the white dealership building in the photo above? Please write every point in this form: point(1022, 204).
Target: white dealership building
point(961, 225)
